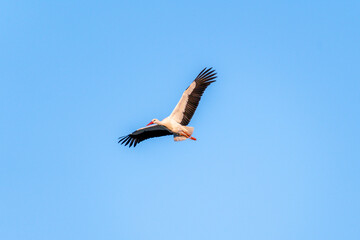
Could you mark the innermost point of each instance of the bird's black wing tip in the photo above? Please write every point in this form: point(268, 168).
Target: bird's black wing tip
point(206, 72)
point(128, 140)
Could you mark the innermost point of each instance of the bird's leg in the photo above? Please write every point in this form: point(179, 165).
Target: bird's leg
point(187, 136)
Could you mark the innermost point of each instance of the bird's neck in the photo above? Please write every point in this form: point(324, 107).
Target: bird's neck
point(158, 122)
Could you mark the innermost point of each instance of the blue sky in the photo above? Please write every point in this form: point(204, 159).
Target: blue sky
point(277, 155)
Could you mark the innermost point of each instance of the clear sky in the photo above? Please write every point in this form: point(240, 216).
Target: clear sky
point(278, 149)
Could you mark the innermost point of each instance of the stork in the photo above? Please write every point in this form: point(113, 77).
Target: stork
point(176, 123)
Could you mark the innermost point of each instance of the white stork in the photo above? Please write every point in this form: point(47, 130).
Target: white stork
point(175, 124)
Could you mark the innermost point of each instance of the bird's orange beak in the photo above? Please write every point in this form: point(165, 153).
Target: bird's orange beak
point(150, 123)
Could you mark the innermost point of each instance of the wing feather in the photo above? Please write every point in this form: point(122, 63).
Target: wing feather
point(143, 134)
point(186, 107)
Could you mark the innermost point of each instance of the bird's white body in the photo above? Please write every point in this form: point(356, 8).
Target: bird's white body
point(171, 124)
point(179, 131)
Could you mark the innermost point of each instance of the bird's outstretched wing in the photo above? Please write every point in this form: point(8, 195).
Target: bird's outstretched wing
point(190, 99)
point(143, 134)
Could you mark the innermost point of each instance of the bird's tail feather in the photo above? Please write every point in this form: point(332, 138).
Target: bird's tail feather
point(189, 130)
point(179, 138)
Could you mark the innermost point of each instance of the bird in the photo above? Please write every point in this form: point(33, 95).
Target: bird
point(176, 123)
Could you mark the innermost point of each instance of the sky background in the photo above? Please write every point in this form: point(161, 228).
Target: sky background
point(278, 149)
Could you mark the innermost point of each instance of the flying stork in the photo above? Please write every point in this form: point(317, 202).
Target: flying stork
point(176, 123)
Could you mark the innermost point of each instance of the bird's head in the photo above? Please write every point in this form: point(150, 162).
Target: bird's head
point(154, 121)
